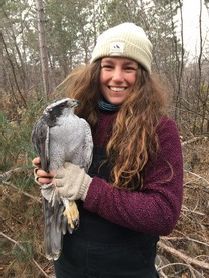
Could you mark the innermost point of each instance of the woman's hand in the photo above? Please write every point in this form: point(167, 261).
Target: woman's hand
point(72, 182)
point(41, 177)
point(69, 181)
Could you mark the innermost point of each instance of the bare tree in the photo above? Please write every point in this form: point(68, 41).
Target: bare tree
point(180, 62)
point(43, 46)
point(13, 70)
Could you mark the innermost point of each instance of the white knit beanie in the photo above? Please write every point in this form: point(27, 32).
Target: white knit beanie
point(124, 40)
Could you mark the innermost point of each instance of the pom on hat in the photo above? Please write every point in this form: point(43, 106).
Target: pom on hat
point(124, 40)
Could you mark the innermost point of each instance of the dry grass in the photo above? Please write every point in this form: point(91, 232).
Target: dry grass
point(188, 252)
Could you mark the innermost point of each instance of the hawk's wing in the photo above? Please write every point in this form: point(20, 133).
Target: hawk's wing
point(87, 147)
point(54, 222)
point(40, 140)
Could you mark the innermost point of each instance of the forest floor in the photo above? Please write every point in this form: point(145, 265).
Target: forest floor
point(183, 254)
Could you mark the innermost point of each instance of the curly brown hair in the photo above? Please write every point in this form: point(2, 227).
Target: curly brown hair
point(134, 136)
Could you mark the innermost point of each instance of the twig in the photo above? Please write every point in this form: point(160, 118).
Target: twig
point(7, 175)
point(13, 241)
point(186, 209)
point(184, 257)
point(192, 140)
point(23, 249)
point(23, 192)
point(182, 264)
point(185, 238)
point(171, 264)
point(45, 274)
point(196, 175)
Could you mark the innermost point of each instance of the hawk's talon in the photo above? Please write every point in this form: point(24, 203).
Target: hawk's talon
point(76, 223)
point(72, 214)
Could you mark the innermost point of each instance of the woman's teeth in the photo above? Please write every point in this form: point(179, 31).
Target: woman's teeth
point(117, 89)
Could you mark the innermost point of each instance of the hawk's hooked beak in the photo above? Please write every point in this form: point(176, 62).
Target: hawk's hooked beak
point(75, 103)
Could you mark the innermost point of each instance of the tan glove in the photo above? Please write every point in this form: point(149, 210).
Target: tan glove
point(72, 182)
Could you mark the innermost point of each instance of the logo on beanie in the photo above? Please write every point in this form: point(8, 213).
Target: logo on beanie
point(116, 47)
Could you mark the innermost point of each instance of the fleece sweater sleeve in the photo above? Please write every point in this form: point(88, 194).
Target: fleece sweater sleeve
point(156, 208)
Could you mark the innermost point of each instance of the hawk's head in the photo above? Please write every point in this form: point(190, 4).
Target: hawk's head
point(60, 108)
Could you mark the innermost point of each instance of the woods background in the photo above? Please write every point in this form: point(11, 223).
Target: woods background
point(41, 42)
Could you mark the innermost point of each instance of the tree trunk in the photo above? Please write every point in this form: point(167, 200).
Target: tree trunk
point(43, 47)
point(13, 70)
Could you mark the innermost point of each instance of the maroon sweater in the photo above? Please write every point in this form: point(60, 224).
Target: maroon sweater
point(153, 210)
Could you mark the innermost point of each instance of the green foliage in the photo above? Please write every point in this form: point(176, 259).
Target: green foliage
point(69, 31)
point(24, 180)
point(118, 12)
point(15, 144)
point(23, 252)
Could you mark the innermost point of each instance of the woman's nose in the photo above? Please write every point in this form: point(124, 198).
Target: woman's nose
point(118, 75)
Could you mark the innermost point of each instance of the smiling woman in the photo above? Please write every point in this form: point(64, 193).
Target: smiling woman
point(132, 193)
point(117, 78)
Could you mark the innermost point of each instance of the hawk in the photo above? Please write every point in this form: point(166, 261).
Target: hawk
point(60, 136)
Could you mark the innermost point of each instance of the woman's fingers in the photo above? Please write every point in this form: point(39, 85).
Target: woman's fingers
point(36, 162)
point(43, 177)
point(43, 174)
point(44, 180)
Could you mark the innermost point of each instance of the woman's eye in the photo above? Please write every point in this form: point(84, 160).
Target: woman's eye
point(106, 66)
point(130, 69)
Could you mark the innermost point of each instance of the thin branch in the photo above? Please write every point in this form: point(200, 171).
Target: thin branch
point(183, 256)
point(185, 238)
point(195, 139)
point(23, 192)
point(184, 208)
point(44, 273)
point(172, 264)
point(196, 175)
point(201, 44)
point(7, 175)
point(23, 249)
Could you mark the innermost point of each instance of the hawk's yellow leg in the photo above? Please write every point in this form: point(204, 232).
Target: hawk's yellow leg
point(72, 213)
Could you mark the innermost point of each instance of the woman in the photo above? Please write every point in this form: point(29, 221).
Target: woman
point(132, 193)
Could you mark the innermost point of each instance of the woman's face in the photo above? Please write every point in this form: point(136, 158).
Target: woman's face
point(117, 78)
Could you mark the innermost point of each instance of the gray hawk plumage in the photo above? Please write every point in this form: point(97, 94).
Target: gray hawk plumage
point(60, 136)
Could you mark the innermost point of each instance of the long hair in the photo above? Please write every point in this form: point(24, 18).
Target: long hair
point(83, 85)
point(134, 137)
